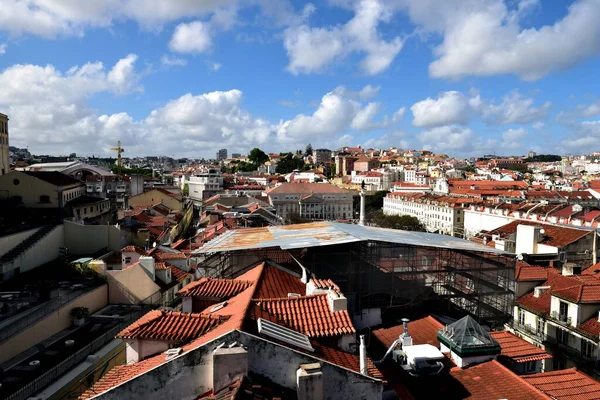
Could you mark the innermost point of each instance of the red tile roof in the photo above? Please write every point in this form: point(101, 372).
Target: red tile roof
point(588, 292)
point(310, 315)
point(590, 327)
point(325, 284)
point(517, 349)
point(171, 256)
point(528, 273)
point(179, 274)
point(344, 359)
point(591, 216)
point(566, 384)
point(221, 289)
point(172, 326)
point(542, 303)
point(306, 188)
point(491, 380)
point(276, 283)
point(133, 249)
point(423, 331)
point(554, 235)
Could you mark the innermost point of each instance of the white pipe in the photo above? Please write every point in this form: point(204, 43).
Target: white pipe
point(363, 356)
point(361, 220)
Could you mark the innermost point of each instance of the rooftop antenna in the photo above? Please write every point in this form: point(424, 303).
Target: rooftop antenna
point(119, 150)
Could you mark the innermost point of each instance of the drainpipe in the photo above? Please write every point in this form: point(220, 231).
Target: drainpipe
point(595, 247)
point(361, 220)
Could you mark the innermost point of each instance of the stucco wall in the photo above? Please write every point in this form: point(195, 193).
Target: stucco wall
point(138, 350)
point(132, 286)
point(42, 252)
point(57, 321)
point(8, 242)
point(477, 221)
point(89, 239)
point(153, 197)
point(189, 375)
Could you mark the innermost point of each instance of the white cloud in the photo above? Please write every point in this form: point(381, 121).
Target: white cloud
point(584, 140)
point(455, 140)
point(486, 38)
point(449, 108)
point(193, 37)
point(123, 76)
point(313, 49)
point(368, 92)
point(398, 115)
point(538, 125)
point(581, 111)
point(3, 47)
point(513, 138)
point(363, 120)
point(172, 61)
point(215, 66)
point(515, 109)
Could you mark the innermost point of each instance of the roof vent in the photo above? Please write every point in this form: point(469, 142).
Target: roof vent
point(294, 295)
point(34, 363)
point(69, 343)
point(172, 353)
point(217, 307)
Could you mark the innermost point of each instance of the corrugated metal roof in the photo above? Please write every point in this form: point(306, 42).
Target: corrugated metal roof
point(328, 233)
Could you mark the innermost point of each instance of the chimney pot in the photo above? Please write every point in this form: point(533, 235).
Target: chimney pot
point(309, 381)
point(363, 356)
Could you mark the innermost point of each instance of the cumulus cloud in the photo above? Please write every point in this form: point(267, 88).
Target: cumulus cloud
point(455, 140)
point(584, 139)
point(449, 108)
point(515, 109)
point(581, 111)
point(513, 138)
point(486, 38)
point(3, 47)
point(193, 37)
point(313, 49)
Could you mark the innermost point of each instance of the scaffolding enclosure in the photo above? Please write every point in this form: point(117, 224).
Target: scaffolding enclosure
point(377, 268)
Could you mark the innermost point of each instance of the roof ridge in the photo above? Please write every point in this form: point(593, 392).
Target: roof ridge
point(301, 297)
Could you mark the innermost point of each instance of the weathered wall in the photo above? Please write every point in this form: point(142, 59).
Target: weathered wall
point(189, 375)
point(42, 252)
point(138, 350)
point(153, 197)
point(132, 286)
point(89, 239)
point(57, 321)
point(7, 243)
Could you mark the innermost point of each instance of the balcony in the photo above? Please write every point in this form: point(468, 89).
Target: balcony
point(121, 189)
point(573, 352)
point(528, 330)
point(562, 319)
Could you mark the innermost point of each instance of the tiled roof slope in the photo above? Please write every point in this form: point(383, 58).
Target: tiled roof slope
point(175, 326)
point(325, 284)
point(588, 292)
point(179, 274)
point(423, 331)
point(491, 380)
point(566, 384)
point(171, 256)
point(346, 360)
point(275, 283)
point(215, 288)
point(133, 249)
point(554, 235)
point(529, 273)
point(310, 315)
point(590, 327)
point(517, 349)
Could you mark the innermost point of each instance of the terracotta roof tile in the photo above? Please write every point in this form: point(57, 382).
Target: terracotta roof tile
point(517, 349)
point(423, 331)
point(325, 284)
point(528, 273)
point(590, 327)
point(566, 384)
point(542, 304)
point(179, 274)
point(171, 256)
point(344, 359)
point(133, 249)
point(588, 292)
point(306, 188)
point(160, 266)
point(172, 326)
point(221, 289)
point(276, 283)
point(310, 315)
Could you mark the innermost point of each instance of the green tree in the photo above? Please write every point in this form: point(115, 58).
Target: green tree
point(257, 157)
point(288, 162)
point(309, 150)
point(186, 190)
point(243, 166)
point(404, 222)
point(470, 168)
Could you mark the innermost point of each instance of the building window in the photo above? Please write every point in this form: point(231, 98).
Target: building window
point(127, 260)
point(530, 366)
point(44, 199)
point(588, 349)
point(521, 317)
point(562, 336)
point(540, 325)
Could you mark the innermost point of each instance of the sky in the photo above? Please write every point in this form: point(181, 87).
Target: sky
point(184, 78)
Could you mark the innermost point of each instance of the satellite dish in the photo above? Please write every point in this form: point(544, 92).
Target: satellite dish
point(542, 231)
point(520, 257)
point(154, 244)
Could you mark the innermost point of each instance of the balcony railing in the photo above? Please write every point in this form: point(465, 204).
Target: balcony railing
point(570, 350)
point(562, 319)
point(528, 330)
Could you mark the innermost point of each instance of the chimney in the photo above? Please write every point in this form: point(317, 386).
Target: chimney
point(304, 275)
point(363, 356)
point(229, 363)
point(405, 338)
point(337, 302)
point(309, 381)
point(148, 264)
point(539, 290)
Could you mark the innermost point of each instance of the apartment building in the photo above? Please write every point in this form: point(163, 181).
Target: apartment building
point(205, 184)
point(344, 164)
point(559, 310)
point(322, 156)
point(365, 164)
point(438, 213)
point(40, 189)
point(312, 201)
point(4, 149)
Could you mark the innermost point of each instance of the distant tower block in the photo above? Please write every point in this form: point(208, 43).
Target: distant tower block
point(4, 150)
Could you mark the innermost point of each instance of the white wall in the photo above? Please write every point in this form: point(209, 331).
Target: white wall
point(7, 243)
point(137, 350)
point(42, 252)
point(88, 239)
point(477, 221)
point(462, 362)
point(368, 317)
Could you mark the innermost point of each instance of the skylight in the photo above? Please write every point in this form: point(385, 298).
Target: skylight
point(217, 307)
point(283, 334)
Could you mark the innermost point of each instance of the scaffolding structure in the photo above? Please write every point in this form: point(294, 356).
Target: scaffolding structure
point(377, 274)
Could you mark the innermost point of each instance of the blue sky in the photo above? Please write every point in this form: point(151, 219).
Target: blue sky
point(188, 77)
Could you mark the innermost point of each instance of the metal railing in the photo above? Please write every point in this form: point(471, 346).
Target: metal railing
point(528, 330)
point(570, 350)
point(55, 372)
point(31, 317)
point(562, 319)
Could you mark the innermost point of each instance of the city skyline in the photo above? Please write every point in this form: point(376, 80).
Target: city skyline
point(188, 79)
